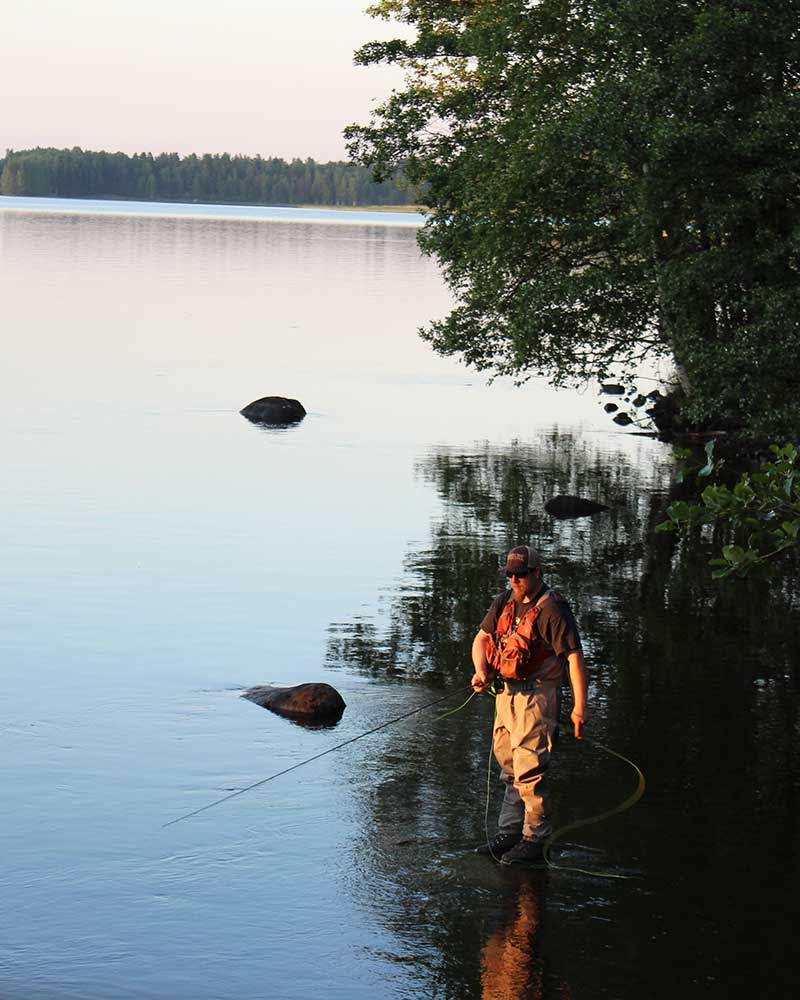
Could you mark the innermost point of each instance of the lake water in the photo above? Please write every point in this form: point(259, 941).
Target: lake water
point(161, 554)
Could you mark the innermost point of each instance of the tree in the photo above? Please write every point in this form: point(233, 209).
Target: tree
point(80, 173)
point(761, 511)
point(610, 180)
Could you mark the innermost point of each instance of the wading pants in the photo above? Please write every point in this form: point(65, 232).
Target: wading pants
point(525, 726)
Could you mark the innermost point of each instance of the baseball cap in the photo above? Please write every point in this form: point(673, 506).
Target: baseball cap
point(521, 559)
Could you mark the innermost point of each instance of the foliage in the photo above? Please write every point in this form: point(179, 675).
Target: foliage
point(762, 508)
point(611, 180)
point(78, 173)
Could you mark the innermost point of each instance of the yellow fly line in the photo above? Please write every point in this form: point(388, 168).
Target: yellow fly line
point(630, 801)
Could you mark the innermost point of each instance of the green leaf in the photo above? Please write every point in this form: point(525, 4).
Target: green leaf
point(791, 529)
point(733, 553)
point(707, 469)
point(679, 510)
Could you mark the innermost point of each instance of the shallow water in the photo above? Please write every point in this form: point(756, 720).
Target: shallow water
point(196, 210)
point(162, 554)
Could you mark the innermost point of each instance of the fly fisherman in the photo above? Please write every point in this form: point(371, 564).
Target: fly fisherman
point(527, 639)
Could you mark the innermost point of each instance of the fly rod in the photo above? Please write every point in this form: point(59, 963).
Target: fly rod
point(286, 770)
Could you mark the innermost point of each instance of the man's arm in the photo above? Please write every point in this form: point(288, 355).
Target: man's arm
point(579, 684)
point(481, 646)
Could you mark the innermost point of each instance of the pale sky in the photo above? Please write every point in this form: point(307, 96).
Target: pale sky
point(236, 76)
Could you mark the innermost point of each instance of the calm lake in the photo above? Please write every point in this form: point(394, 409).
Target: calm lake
point(161, 554)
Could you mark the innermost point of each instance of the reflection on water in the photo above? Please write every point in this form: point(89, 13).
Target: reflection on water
point(512, 966)
point(697, 684)
point(493, 497)
point(163, 554)
point(178, 210)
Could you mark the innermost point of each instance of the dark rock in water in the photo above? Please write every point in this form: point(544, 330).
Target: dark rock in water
point(304, 702)
point(639, 401)
point(611, 407)
point(566, 506)
point(274, 410)
point(622, 419)
point(612, 389)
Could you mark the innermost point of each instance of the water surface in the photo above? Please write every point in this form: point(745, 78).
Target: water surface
point(161, 554)
point(196, 210)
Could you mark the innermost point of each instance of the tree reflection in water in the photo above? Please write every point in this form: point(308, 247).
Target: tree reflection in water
point(494, 498)
point(696, 683)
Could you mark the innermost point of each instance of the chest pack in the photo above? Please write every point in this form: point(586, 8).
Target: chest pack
point(518, 651)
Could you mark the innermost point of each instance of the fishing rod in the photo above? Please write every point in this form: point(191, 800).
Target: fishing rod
point(302, 763)
point(556, 835)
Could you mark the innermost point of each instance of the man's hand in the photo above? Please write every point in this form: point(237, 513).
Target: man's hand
point(579, 720)
point(481, 649)
point(481, 680)
point(579, 684)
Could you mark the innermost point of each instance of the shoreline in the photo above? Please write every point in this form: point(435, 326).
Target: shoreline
point(354, 215)
point(118, 199)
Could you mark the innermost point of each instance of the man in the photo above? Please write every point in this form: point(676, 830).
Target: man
point(527, 639)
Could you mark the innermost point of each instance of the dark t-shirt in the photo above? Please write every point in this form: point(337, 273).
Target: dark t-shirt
point(555, 623)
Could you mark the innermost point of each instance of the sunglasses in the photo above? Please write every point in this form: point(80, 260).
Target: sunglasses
point(518, 576)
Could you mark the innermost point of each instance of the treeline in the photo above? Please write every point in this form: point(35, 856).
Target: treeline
point(78, 173)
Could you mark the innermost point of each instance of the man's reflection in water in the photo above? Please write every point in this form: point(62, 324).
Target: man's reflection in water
point(512, 966)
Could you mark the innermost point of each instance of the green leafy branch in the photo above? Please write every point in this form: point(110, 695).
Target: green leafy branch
point(762, 509)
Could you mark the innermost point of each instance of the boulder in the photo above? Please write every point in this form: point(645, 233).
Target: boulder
point(274, 410)
point(563, 507)
point(612, 389)
point(623, 419)
point(304, 702)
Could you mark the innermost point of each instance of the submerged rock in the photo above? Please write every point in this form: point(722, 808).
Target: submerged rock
point(304, 702)
point(564, 506)
point(274, 410)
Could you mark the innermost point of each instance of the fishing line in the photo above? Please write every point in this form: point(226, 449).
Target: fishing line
point(488, 796)
point(631, 800)
point(286, 770)
point(493, 693)
point(454, 710)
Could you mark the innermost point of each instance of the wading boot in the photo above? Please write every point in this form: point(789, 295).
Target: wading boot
point(499, 844)
point(524, 852)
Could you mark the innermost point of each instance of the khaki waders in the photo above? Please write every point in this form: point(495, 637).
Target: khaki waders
point(525, 726)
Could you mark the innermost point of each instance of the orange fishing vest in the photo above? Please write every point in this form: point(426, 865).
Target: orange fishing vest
point(518, 651)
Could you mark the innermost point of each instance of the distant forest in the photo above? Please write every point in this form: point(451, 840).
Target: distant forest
point(78, 173)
